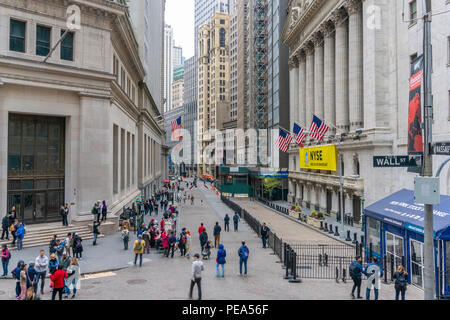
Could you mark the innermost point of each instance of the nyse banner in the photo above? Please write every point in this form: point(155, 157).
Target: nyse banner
point(319, 158)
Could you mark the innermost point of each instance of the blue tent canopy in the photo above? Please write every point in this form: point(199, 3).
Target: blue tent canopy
point(400, 210)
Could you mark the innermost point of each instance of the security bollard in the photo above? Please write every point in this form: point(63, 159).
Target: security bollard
point(326, 227)
point(344, 275)
point(348, 236)
point(325, 260)
point(321, 225)
point(336, 234)
point(331, 229)
point(355, 236)
point(385, 269)
point(362, 240)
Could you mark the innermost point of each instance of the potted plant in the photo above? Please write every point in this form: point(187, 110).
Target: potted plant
point(314, 219)
point(295, 211)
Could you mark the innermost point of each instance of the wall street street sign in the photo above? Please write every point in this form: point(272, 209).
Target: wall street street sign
point(394, 161)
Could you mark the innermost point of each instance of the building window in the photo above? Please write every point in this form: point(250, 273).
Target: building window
point(17, 36)
point(222, 21)
point(67, 46)
point(413, 11)
point(222, 37)
point(42, 40)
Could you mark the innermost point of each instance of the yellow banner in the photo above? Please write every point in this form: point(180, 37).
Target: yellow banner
point(319, 158)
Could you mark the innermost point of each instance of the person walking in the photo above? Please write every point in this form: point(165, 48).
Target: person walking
point(355, 272)
point(138, 248)
point(264, 234)
point(216, 233)
point(243, 253)
point(196, 278)
point(20, 235)
point(146, 237)
point(165, 243)
point(73, 282)
point(226, 221)
point(172, 239)
point(5, 228)
point(23, 282)
point(13, 228)
point(5, 254)
point(182, 244)
point(401, 282)
point(16, 275)
point(58, 278)
point(104, 210)
point(203, 239)
point(373, 272)
point(41, 264)
point(236, 221)
point(200, 229)
point(220, 261)
point(96, 232)
point(125, 238)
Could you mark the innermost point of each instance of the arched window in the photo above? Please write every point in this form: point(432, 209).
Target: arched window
point(356, 165)
point(222, 37)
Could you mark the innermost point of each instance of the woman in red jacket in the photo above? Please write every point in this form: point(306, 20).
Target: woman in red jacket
point(165, 242)
point(58, 278)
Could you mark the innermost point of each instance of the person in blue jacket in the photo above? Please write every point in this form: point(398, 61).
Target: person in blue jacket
point(221, 254)
point(16, 275)
point(355, 272)
point(373, 272)
point(20, 235)
point(32, 277)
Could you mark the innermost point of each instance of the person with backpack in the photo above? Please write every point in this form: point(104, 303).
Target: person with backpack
point(355, 272)
point(236, 221)
point(373, 272)
point(96, 232)
point(125, 238)
point(77, 246)
point(16, 275)
point(226, 221)
point(401, 282)
point(41, 264)
point(20, 235)
point(58, 278)
point(182, 243)
point(5, 254)
point(138, 248)
point(243, 253)
point(203, 239)
point(13, 228)
point(5, 228)
point(264, 234)
point(220, 260)
point(197, 268)
point(32, 277)
point(216, 233)
point(146, 237)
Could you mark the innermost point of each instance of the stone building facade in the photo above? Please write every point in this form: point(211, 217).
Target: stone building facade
point(80, 127)
point(350, 65)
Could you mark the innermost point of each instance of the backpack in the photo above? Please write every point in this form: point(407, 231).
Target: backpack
point(126, 237)
point(93, 211)
point(184, 239)
point(139, 246)
point(244, 253)
point(78, 243)
point(401, 281)
point(352, 270)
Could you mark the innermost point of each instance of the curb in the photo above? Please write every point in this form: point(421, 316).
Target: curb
point(307, 225)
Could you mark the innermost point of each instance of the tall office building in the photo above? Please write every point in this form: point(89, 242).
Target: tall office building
point(233, 59)
point(168, 67)
point(190, 109)
point(213, 86)
point(177, 55)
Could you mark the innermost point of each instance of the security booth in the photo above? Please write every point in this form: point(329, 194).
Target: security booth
point(234, 182)
point(394, 232)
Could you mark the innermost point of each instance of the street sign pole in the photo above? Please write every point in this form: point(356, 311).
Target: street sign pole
point(429, 291)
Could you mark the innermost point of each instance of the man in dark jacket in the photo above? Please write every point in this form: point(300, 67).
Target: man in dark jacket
point(236, 221)
point(32, 277)
point(5, 228)
point(172, 241)
point(226, 221)
point(243, 253)
point(53, 245)
point(264, 234)
point(355, 271)
point(203, 239)
point(96, 231)
point(216, 233)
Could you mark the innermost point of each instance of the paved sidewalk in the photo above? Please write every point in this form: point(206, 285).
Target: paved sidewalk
point(166, 278)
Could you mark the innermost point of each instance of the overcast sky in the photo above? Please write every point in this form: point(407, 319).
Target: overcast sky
point(180, 15)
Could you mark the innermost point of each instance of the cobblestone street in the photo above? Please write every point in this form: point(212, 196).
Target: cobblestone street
point(163, 278)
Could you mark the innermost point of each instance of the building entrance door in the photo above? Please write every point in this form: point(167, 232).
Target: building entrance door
point(329, 201)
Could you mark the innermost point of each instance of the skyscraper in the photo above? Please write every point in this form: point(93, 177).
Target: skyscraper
point(190, 108)
point(177, 55)
point(168, 67)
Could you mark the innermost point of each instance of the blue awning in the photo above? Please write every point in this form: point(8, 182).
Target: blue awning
point(400, 210)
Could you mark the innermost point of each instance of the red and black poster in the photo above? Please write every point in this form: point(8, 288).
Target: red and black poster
point(415, 132)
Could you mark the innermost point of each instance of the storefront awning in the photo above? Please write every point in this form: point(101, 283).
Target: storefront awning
point(400, 210)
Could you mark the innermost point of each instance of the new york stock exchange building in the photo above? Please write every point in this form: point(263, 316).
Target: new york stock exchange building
point(350, 65)
point(81, 126)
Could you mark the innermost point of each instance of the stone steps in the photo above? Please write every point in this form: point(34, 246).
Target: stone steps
point(40, 237)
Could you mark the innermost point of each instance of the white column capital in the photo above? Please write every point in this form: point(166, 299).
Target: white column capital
point(327, 29)
point(338, 17)
point(309, 48)
point(353, 6)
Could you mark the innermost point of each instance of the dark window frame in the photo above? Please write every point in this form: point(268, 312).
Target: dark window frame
point(14, 38)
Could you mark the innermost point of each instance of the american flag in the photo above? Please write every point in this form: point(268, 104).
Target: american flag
point(176, 126)
point(318, 128)
point(283, 141)
point(299, 134)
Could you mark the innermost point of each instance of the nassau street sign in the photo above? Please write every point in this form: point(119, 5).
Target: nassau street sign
point(394, 161)
point(442, 148)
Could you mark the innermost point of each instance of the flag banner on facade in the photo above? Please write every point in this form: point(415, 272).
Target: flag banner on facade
point(415, 133)
point(283, 141)
point(299, 134)
point(176, 128)
point(318, 128)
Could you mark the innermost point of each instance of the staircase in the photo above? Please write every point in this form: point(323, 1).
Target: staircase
point(40, 235)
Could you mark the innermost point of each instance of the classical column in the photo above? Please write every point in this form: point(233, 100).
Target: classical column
point(318, 75)
point(342, 110)
point(348, 198)
point(329, 75)
point(309, 50)
point(298, 197)
point(291, 196)
point(293, 89)
point(356, 85)
point(302, 89)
